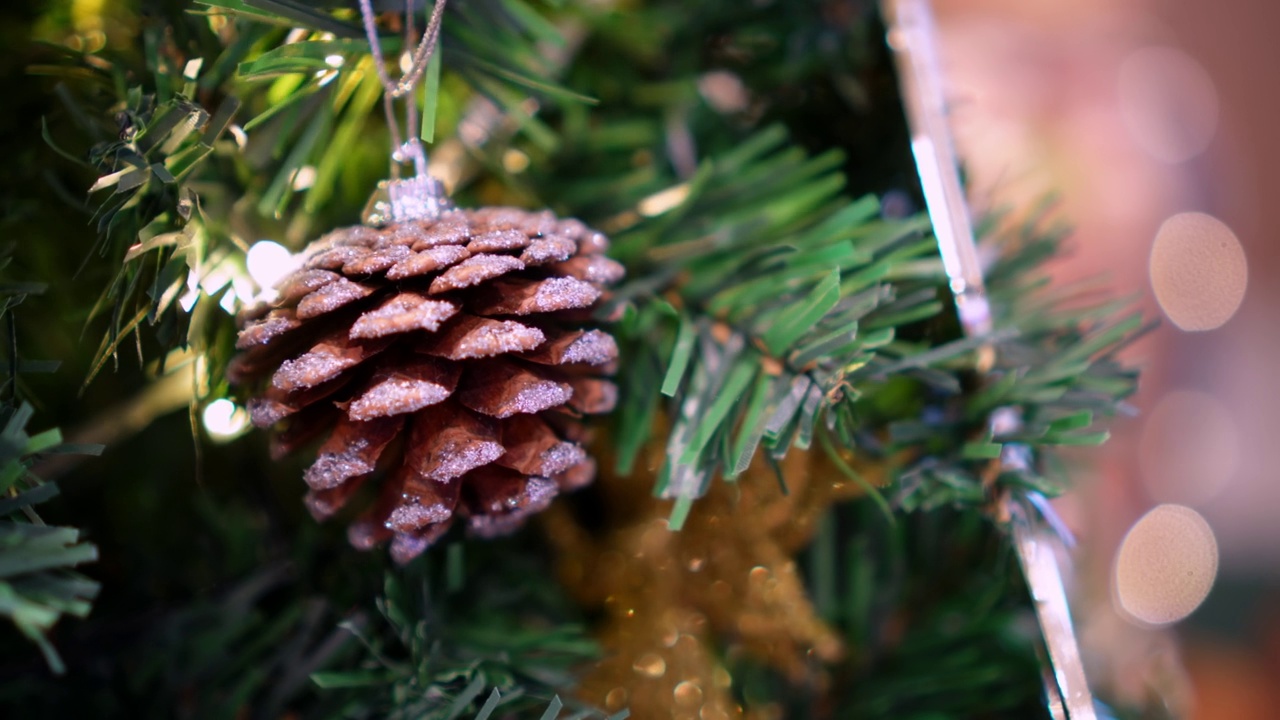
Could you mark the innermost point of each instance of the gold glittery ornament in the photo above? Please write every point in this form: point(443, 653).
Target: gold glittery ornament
point(727, 583)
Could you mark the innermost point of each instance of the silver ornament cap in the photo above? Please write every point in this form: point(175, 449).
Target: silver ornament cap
point(421, 197)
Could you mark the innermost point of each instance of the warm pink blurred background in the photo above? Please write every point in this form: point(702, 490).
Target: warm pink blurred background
point(1133, 111)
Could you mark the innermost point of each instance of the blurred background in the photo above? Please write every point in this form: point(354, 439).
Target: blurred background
point(1134, 112)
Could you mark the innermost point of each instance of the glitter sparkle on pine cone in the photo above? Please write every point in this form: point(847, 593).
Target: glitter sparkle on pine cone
point(445, 361)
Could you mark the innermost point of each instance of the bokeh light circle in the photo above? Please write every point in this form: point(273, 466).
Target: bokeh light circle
point(1198, 271)
point(1166, 565)
point(1168, 102)
point(1189, 449)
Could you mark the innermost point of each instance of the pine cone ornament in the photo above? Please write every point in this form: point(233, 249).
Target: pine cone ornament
point(447, 359)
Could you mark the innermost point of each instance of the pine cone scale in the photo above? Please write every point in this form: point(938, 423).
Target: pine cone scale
point(401, 390)
point(325, 361)
point(578, 476)
point(498, 240)
point(330, 297)
point(277, 404)
point(376, 261)
point(304, 283)
point(472, 337)
point(428, 261)
point(324, 504)
point(403, 313)
point(591, 268)
point(577, 347)
point(352, 450)
point(548, 250)
point(498, 491)
point(592, 396)
point(473, 271)
point(275, 324)
point(423, 502)
point(451, 441)
point(533, 448)
point(501, 389)
point(525, 297)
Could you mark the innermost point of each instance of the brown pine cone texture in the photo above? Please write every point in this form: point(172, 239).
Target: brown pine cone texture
point(447, 359)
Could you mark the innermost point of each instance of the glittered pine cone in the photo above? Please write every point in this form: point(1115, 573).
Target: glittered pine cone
point(447, 358)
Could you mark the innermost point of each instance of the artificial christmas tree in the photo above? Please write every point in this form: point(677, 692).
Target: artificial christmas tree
point(795, 389)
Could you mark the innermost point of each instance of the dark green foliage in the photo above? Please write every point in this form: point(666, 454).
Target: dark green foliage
point(450, 658)
point(259, 611)
point(737, 154)
point(37, 585)
point(772, 308)
point(939, 629)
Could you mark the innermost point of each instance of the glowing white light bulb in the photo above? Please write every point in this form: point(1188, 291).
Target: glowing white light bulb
point(268, 262)
point(224, 419)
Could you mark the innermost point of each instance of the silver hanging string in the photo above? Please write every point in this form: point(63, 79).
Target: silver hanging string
point(411, 107)
point(422, 196)
point(911, 35)
point(406, 146)
point(421, 54)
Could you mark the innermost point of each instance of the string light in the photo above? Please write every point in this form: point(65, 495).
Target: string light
point(224, 420)
point(267, 262)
